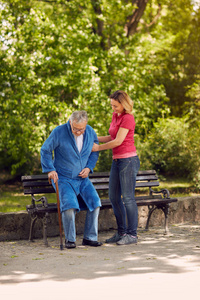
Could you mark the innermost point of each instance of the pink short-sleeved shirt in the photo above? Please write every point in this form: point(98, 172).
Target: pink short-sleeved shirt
point(127, 148)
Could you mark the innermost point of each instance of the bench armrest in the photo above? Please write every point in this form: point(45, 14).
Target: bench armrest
point(165, 193)
point(42, 199)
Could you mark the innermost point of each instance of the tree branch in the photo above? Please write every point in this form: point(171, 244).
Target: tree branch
point(100, 23)
point(131, 26)
point(156, 17)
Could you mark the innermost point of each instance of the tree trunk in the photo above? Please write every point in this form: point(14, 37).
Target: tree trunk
point(99, 31)
point(134, 19)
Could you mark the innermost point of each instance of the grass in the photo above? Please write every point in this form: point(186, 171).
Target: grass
point(12, 198)
point(16, 201)
point(179, 187)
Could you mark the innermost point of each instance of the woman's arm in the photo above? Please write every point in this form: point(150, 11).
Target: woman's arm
point(120, 137)
point(104, 139)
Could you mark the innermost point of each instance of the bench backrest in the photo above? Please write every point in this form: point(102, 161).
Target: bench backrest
point(39, 184)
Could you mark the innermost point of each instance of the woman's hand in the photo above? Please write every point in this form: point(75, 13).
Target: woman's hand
point(95, 147)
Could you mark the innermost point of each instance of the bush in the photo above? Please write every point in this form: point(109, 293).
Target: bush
point(172, 148)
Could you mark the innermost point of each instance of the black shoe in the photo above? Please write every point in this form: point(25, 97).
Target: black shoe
point(91, 243)
point(70, 245)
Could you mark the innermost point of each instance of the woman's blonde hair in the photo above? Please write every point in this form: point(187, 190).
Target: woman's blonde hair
point(123, 98)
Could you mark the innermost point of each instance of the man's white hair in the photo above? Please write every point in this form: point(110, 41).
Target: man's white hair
point(79, 116)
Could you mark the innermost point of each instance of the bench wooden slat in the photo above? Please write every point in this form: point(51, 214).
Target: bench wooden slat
point(147, 172)
point(140, 173)
point(146, 197)
point(34, 177)
point(99, 180)
point(147, 184)
point(36, 183)
point(146, 178)
point(138, 178)
point(33, 183)
point(99, 174)
point(36, 191)
point(144, 201)
point(93, 175)
point(138, 184)
point(156, 201)
point(43, 188)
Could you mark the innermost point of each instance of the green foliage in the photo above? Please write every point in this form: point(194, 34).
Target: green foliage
point(60, 56)
point(176, 46)
point(194, 108)
point(172, 148)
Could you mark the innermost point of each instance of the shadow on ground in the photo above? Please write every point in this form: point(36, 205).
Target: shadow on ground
point(177, 253)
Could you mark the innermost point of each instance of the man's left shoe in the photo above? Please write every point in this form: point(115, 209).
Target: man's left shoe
point(91, 243)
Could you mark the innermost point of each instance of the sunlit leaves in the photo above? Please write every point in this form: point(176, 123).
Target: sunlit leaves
point(65, 55)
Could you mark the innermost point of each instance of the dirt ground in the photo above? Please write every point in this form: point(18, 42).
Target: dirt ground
point(157, 267)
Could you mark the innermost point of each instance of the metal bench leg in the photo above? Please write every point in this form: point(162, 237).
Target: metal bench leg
point(45, 221)
point(165, 209)
point(151, 210)
point(33, 219)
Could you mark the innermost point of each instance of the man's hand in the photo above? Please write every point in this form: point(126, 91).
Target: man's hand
point(53, 175)
point(84, 173)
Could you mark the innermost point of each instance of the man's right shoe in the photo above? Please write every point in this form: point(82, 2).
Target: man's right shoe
point(69, 245)
point(91, 243)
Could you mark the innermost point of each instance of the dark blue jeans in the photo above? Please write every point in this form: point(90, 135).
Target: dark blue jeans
point(122, 193)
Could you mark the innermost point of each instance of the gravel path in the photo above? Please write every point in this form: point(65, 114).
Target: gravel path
point(158, 266)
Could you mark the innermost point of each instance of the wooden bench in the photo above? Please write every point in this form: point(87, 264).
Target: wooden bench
point(40, 208)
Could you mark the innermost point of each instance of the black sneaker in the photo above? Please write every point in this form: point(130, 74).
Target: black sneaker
point(70, 245)
point(114, 239)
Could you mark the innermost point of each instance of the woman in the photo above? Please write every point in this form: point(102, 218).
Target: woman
point(124, 168)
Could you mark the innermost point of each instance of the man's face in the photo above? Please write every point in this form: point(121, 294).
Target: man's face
point(78, 128)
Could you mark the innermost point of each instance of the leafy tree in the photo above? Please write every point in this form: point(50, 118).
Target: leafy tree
point(176, 47)
point(58, 56)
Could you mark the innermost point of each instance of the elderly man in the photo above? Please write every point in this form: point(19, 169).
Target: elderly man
point(73, 161)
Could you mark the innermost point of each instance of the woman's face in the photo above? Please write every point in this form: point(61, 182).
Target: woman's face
point(116, 106)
